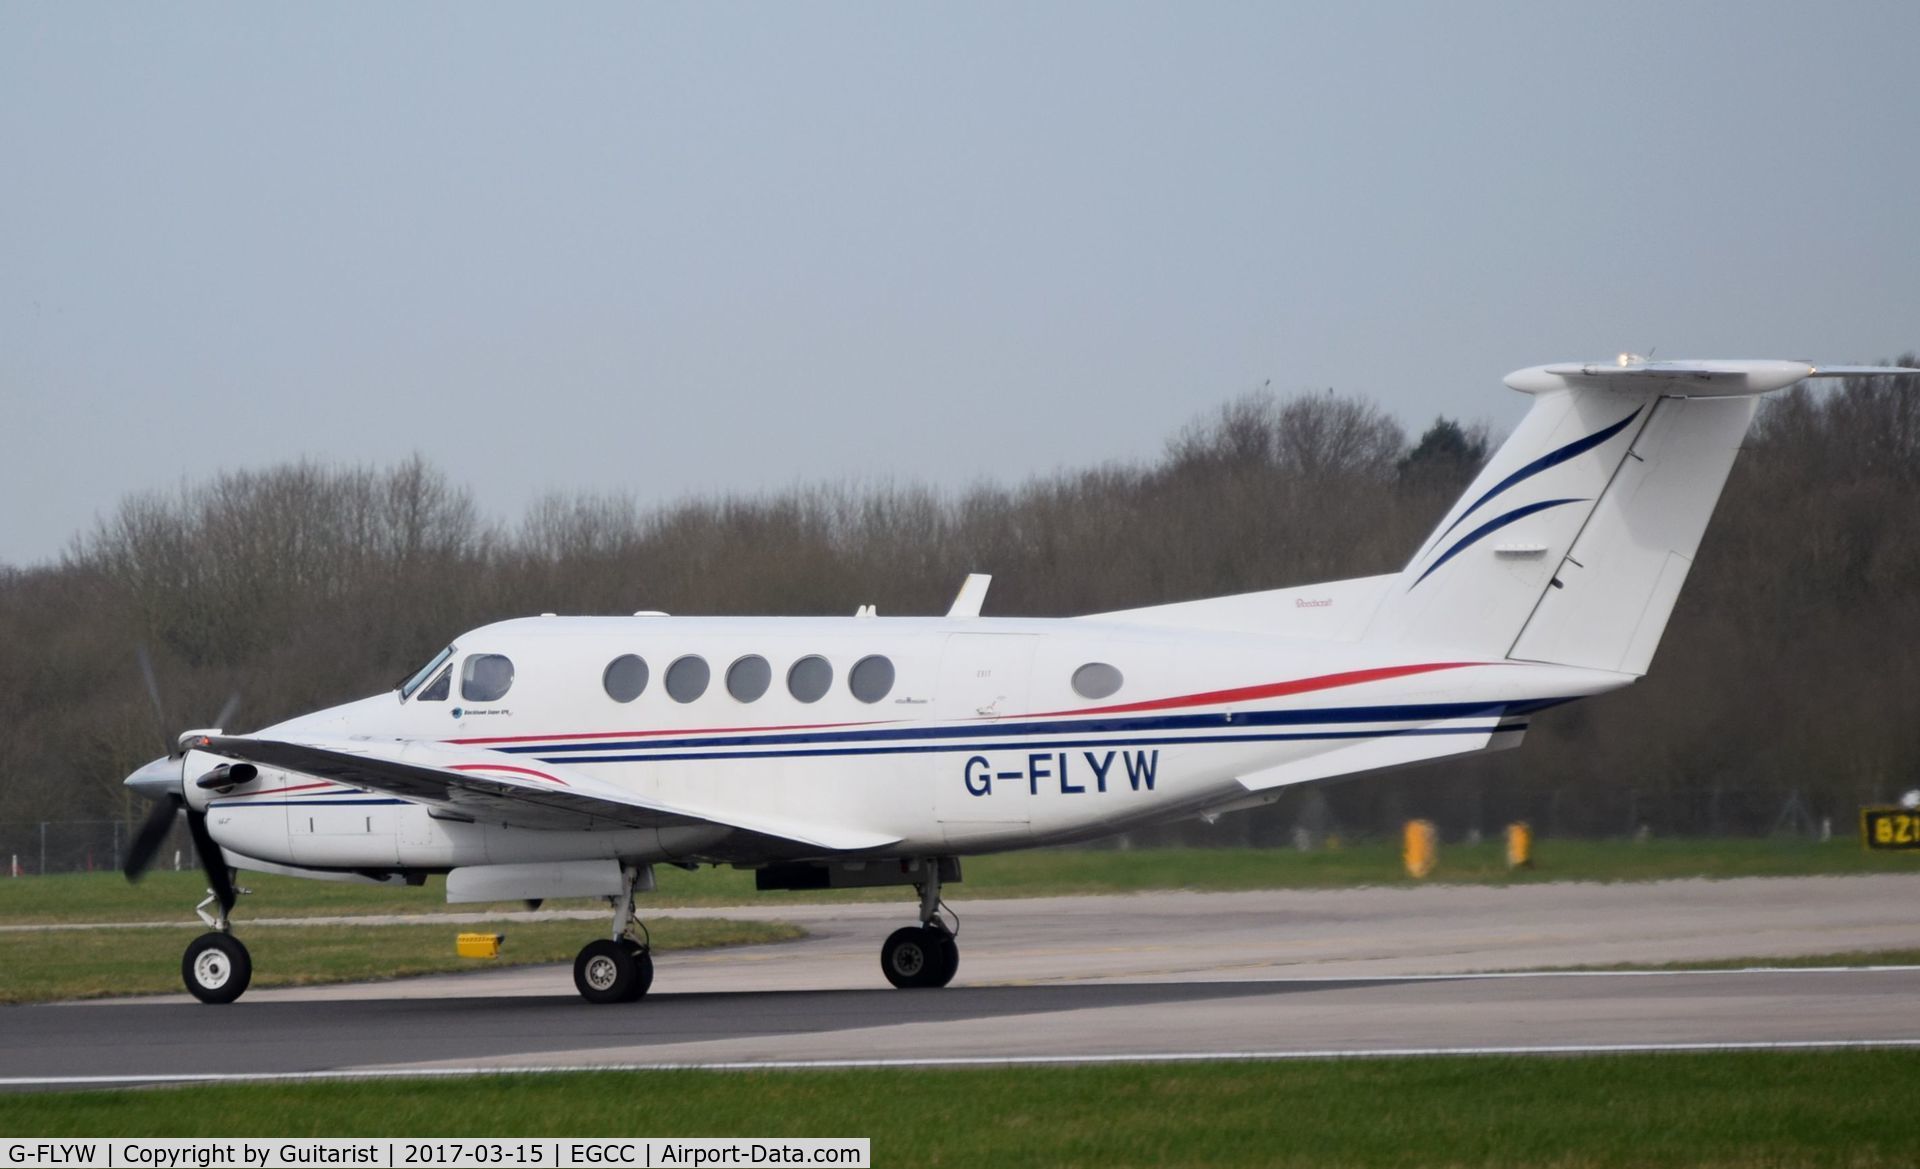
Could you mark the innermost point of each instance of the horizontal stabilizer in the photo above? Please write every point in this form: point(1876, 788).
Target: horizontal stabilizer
point(1686, 378)
point(1820, 371)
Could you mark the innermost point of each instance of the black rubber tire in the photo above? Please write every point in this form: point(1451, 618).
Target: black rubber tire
point(216, 968)
point(948, 952)
point(605, 971)
point(903, 956)
point(919, 957)
point(642, 971)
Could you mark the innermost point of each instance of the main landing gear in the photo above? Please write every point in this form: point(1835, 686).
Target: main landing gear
point(216, 967)
point(619, 969)
point(925, 955)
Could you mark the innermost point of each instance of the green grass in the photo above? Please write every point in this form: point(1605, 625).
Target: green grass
point(70, 964)
point(1108, 871)
point(1799, 962)
point(1780, 1109)
point(168, 896)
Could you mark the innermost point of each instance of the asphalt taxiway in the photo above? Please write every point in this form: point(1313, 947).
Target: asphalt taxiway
point(1161, 975)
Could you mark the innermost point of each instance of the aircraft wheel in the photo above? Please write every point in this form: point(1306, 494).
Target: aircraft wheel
point(642, 971)
point(949, 953)
point(216, 968)
point(914, 957)
point(605, 972)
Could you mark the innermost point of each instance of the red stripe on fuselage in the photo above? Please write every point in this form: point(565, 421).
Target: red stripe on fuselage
point(1266, 690)
point(1207, 698)
point(513, 770)
point(281, 791)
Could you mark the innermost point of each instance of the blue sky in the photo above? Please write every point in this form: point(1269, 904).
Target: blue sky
point(702, 248)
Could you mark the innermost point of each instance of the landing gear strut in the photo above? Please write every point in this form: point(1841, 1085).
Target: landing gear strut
point(619, 969)
point(925, 955)
point(216, 967)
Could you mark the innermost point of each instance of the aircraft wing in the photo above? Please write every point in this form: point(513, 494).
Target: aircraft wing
point(495, 788)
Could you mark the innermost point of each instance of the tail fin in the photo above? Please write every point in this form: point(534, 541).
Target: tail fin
point(1573, 543)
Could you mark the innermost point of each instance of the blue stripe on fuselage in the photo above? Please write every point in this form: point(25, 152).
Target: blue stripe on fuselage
point(1428, 712)
point(1031, 744)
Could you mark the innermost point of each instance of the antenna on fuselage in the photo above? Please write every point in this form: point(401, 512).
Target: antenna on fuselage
point(972, 595)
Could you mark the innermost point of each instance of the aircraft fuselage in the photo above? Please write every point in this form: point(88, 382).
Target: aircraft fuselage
point(980, 742)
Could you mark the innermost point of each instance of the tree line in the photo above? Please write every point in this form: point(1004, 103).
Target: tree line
point(1781, 694)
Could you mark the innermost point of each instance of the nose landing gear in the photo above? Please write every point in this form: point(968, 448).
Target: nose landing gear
point(216, 967)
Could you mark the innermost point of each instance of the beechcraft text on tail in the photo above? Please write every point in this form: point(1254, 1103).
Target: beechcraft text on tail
point(567, 756)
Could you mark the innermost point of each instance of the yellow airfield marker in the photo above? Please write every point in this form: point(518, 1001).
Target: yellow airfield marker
point(1422, 848)
point(479, 945)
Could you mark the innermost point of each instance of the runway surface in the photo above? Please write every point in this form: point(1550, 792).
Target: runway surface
point(1166, 975)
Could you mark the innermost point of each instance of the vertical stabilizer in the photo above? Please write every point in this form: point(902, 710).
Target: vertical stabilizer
point(1476, 579)
point(1613, 591)
point(1573, 543)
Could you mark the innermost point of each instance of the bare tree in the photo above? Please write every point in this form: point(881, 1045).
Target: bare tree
point(305, 584)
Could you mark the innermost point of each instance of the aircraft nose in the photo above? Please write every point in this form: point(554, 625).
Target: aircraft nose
point(159, 779)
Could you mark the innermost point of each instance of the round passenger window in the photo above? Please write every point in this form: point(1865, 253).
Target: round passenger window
point(1096, 680)
point(485, 677)
point(871, 678)
point(748, 678)
point(687, 678)
point(626, 677)
point(810, 678)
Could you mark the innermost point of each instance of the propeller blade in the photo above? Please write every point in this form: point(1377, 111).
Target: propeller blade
point(219, 876)
point(153, 833)
point(224, 719)
point(153, 695)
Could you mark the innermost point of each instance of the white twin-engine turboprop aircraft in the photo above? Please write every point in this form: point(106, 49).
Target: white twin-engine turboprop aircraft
point(566, 756)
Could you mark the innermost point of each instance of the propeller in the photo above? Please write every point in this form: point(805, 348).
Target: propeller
point(219, 875)
point(152, 834)
point(172, 744)
point(164, 782)
point(153, 695)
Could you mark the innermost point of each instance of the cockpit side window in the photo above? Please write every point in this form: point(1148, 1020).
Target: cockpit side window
point(437, 691)
point(485, 677)
point(411, 684)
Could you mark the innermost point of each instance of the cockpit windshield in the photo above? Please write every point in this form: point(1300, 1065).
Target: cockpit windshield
point(411, 684)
